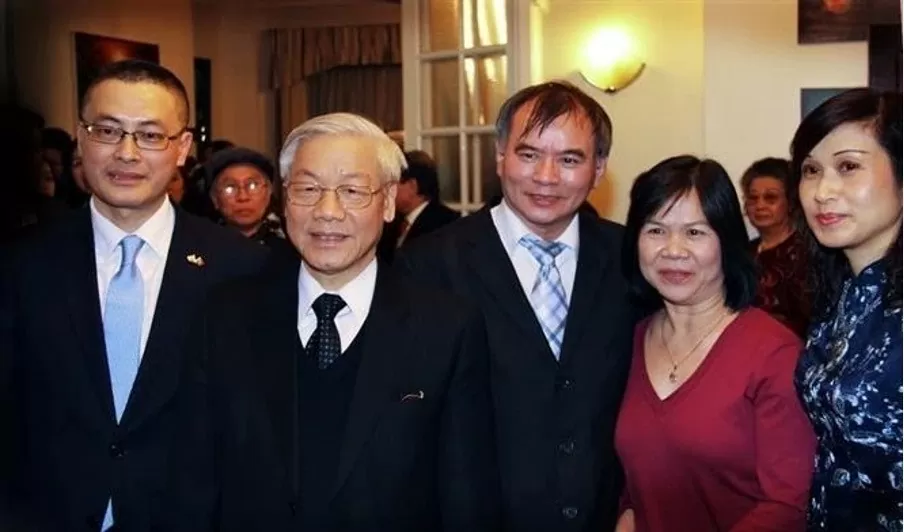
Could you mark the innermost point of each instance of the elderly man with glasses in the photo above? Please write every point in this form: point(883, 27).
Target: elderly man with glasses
point(93, 317)
point(331, 395)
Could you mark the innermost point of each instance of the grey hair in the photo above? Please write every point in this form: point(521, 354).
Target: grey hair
point(390, 157)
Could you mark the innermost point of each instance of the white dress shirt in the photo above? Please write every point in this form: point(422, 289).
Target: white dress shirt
point(157, 233)
point(511, 229)
point(357, 294)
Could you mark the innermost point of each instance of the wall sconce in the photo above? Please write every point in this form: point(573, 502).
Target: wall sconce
point(611, 61)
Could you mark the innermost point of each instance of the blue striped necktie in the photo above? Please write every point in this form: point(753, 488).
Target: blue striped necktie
point(548, 294)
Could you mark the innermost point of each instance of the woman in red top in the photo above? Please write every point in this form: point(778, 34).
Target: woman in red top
point(711, 434)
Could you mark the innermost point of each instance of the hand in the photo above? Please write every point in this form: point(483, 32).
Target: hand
point(625, 522)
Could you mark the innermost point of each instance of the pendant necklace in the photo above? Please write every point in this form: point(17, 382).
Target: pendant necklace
point(673, 374)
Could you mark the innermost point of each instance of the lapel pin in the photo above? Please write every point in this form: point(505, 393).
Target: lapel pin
point(197, 260)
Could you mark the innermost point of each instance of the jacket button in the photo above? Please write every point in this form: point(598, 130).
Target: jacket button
point(116, 450)
point(564, 383)
point(570, 512)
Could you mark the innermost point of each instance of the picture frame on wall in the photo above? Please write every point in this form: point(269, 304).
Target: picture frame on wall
point(93, 52)
point(825, 21)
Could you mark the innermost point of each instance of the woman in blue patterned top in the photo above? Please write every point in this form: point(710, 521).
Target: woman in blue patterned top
point(847, 167)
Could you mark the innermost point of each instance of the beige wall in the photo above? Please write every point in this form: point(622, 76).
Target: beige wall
point(754, 72)
point(661, 113)
point(229, 35)
point(723, 79)
point(44, 45)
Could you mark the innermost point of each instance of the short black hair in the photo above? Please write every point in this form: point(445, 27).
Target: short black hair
point(422, 169)
point(552, 100)
point(223, 159)
point(660, 187)
point(138, 71)
point(880, 112)
point(220, 145)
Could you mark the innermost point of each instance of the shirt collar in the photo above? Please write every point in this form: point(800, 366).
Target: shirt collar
point(156, 231)
point(357, 293)
point(512, 228)
point(412, 216)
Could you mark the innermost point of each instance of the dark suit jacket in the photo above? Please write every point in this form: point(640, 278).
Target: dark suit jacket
point(412, 465)
point(555, 420)
point(63, 453)
point(434, 216)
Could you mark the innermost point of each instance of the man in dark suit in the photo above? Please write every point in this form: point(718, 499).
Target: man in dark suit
point(418, 208)
point(93, 312)
point(330, 395)
point(547, 277)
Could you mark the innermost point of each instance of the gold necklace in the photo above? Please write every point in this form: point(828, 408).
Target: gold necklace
point(673, 374)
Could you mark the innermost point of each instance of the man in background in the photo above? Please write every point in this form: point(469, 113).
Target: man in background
point(419, 209)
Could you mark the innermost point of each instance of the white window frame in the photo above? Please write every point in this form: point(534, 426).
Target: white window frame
point(520, 72)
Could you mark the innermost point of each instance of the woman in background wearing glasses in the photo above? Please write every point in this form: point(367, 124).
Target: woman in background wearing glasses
point(240, 183)
point(779, 249)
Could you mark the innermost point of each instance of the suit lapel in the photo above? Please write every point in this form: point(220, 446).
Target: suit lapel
point(373, 387)
point(183, 283)
point(84, 310)
point(275, 340)
point(591, 269)
point(491, 265)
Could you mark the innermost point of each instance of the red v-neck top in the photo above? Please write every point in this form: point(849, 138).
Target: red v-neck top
point(731, 449)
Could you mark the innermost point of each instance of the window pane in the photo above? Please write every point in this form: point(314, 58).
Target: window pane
point(483, 164)
point(440, 23)
point(484, 22)
point(445, 150)
point(439, 99)
point(486, 83)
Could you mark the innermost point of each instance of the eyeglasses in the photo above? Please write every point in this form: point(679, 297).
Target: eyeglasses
point(350, 196)
point(252, 188)
point(145, 140)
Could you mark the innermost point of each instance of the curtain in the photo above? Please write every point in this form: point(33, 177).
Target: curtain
point(301, 65)
point(374, 92)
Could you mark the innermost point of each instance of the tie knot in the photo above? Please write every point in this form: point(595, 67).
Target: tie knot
point(544, 251)
point(131, 245)
point(327, 306)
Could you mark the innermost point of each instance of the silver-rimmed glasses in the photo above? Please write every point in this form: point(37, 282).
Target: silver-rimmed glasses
point(144, 139)
point(349, 196)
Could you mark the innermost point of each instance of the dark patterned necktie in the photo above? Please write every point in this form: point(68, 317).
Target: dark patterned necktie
point(324, 344)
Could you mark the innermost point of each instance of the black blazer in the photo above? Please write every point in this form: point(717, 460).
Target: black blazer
point(64, 453)
point(434, 216)
point(404, 465)
point(555, 421)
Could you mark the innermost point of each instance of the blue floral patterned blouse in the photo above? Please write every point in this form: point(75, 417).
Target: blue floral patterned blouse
point(849, 379)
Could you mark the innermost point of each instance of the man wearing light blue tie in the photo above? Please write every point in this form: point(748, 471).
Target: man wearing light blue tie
point(93, 313)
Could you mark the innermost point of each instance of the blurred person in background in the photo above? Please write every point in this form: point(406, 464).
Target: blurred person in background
point(779, 249)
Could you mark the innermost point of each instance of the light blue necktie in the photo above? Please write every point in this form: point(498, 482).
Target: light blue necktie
point(548, 294)
point(123, 316)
